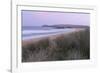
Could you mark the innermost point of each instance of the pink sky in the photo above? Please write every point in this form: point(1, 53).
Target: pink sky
point(38, 18)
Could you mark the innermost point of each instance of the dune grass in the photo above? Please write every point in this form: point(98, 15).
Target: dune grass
point(72, 46)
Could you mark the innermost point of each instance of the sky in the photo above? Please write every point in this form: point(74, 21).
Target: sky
point(39, 18)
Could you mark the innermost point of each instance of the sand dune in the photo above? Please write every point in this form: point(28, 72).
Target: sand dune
point(64, 46)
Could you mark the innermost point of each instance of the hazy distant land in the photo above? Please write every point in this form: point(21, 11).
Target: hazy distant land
point(58, 26)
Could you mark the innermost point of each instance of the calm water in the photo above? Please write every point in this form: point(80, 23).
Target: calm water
point(34, 31)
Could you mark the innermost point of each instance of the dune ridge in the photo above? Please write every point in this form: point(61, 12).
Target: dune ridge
point(65, 46)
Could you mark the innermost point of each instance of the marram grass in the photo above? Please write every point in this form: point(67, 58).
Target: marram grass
point(68, 46)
